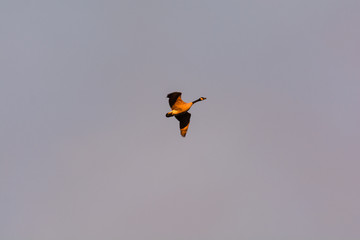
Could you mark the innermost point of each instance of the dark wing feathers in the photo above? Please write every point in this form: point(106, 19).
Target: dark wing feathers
point(184, 120)
point(173, 97)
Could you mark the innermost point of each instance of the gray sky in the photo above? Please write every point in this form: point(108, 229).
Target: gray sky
point(86, 150)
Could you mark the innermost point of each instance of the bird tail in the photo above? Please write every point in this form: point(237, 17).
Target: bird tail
point(169, 114)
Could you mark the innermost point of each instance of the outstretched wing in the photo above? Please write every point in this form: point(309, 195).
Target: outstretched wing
point(184, 120)
point(173, 97)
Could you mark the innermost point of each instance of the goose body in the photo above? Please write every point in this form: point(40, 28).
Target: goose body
point(180, 109)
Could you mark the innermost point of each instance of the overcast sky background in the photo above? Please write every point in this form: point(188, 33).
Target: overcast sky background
point(87, 152)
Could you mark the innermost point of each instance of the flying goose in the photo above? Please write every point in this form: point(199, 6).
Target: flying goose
point(180, 109)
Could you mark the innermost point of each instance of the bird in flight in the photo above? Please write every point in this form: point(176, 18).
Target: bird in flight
point(180, 109)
